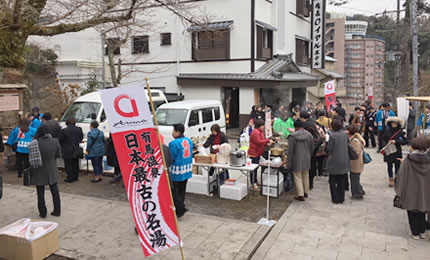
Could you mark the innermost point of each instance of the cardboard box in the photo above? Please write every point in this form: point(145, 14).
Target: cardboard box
point(210, 159)
point(273, 188)
point(17, 248)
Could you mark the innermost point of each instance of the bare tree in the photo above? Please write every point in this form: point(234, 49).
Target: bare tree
point(20, 19)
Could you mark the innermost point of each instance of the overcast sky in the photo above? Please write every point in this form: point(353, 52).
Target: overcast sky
point(366, 7)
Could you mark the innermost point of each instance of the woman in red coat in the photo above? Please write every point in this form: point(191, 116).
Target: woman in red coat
point(257, 143)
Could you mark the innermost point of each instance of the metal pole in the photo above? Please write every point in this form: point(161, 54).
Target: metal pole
point(398, 12)
point(268, 188)
point(413, 8)
point(103, 62)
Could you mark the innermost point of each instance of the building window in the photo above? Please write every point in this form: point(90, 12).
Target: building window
point(211, 45)
point(303, 7)
point(115, 44)
point(166, 38)
point(264, 43)
point(140, 44)
point(302, 52)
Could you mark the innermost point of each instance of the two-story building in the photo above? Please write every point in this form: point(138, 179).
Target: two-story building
point(251, 52)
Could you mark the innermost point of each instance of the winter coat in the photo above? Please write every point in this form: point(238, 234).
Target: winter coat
point(359, 122)
point(111, 157)
point(211, 141)
point(181, 150)
point(281, 126)
point(338, 161)
point(23, 139)
point(380, 120)
point(257, 143)
point(54, 128)
point(413, 182)
point(423, 121)
point(358, 143)
point(370, 120)
point(47, 174)
point(411, 119)
point(300, 150)
point(324, 121)
point(400, 140)
point(70, 138)
point(98, 148)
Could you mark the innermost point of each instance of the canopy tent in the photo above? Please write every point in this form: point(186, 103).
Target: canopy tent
point(417, 98)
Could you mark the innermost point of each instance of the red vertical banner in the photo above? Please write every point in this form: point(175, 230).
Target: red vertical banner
point(139, 156)
point(330, 95)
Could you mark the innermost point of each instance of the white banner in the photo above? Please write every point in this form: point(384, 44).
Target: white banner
point(318, 32)
point(126, 114)
point(329, 88)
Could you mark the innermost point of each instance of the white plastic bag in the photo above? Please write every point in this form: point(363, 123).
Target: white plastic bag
point(202, 150)
point(28, 230)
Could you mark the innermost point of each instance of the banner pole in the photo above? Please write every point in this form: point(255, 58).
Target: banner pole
point(164, 163)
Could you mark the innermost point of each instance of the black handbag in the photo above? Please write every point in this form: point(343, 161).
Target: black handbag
point(26, 176)
point(396, 202)
point(15, 146)
point(353, 154)
point(1, 187)
point(78, 152)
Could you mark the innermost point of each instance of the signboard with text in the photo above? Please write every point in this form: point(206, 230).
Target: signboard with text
point(318, 33)
point(330, 95)
point(139, 156)
point(9, 101)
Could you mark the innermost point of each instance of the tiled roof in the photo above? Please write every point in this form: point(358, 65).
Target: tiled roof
point(280, 68)
point(266, 25)
point(331, 73)
point(211, 26)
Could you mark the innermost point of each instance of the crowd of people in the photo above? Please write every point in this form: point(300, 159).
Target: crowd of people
point(322, 143)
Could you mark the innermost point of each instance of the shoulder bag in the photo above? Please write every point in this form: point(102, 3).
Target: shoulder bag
point(390, 148)
point(396, 202)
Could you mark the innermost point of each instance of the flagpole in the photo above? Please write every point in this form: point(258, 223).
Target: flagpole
point(164, 162)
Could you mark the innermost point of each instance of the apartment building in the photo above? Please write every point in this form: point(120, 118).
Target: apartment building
point(364, 70)
point(251, 52)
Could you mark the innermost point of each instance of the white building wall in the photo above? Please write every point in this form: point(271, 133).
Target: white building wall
point(246, 100)
point(202, 92)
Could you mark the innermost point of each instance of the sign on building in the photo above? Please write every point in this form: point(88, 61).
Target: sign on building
point(330, 95)
point(318, 32)
point(9, 101)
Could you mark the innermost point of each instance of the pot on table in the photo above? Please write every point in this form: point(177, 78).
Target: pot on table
point(238, 158)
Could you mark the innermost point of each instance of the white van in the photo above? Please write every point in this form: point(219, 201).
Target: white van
point(197, 116)
point(89, 107)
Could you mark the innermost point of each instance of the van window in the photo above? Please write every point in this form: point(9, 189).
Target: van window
point(103, 116)
point(217, 113)
point(83, 112)
point(194, 117)
point(207, 115)
point(168, 116)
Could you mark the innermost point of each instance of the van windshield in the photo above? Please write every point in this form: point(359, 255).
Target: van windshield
point(83, 112)
point(168, 116)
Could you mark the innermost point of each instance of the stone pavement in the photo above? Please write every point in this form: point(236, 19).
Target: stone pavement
point(368, 229)
point(91, 228)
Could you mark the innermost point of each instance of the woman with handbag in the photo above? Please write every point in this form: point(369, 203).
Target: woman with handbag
point(70, 138)
point(47, 173)
point(96, 150)
point(392, 142)
point(357, 166)
point(19, 139)
point(413, 186)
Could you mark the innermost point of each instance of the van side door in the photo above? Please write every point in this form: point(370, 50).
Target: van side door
point(207, 121)
point(194, 124)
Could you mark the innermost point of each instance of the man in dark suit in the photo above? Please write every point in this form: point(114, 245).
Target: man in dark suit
point(70, 138)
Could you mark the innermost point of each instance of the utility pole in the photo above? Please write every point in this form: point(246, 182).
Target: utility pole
point(413, 8)
point(398, 13)
point(103, 61)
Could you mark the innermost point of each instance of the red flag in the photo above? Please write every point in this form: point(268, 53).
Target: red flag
point(139, 156)
point(330, 95)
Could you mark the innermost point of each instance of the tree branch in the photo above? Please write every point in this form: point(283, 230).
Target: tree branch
point(76, 27)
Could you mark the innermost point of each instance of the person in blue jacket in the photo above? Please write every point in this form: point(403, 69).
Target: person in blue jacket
point(424, 120)
point(35, 117)
point(382, 115)
point(181, 150)
point(96, 150)
point(21, 137)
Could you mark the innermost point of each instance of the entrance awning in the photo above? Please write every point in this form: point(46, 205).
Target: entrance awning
point(265, 25)
point(215, 26)
point(281, 69)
